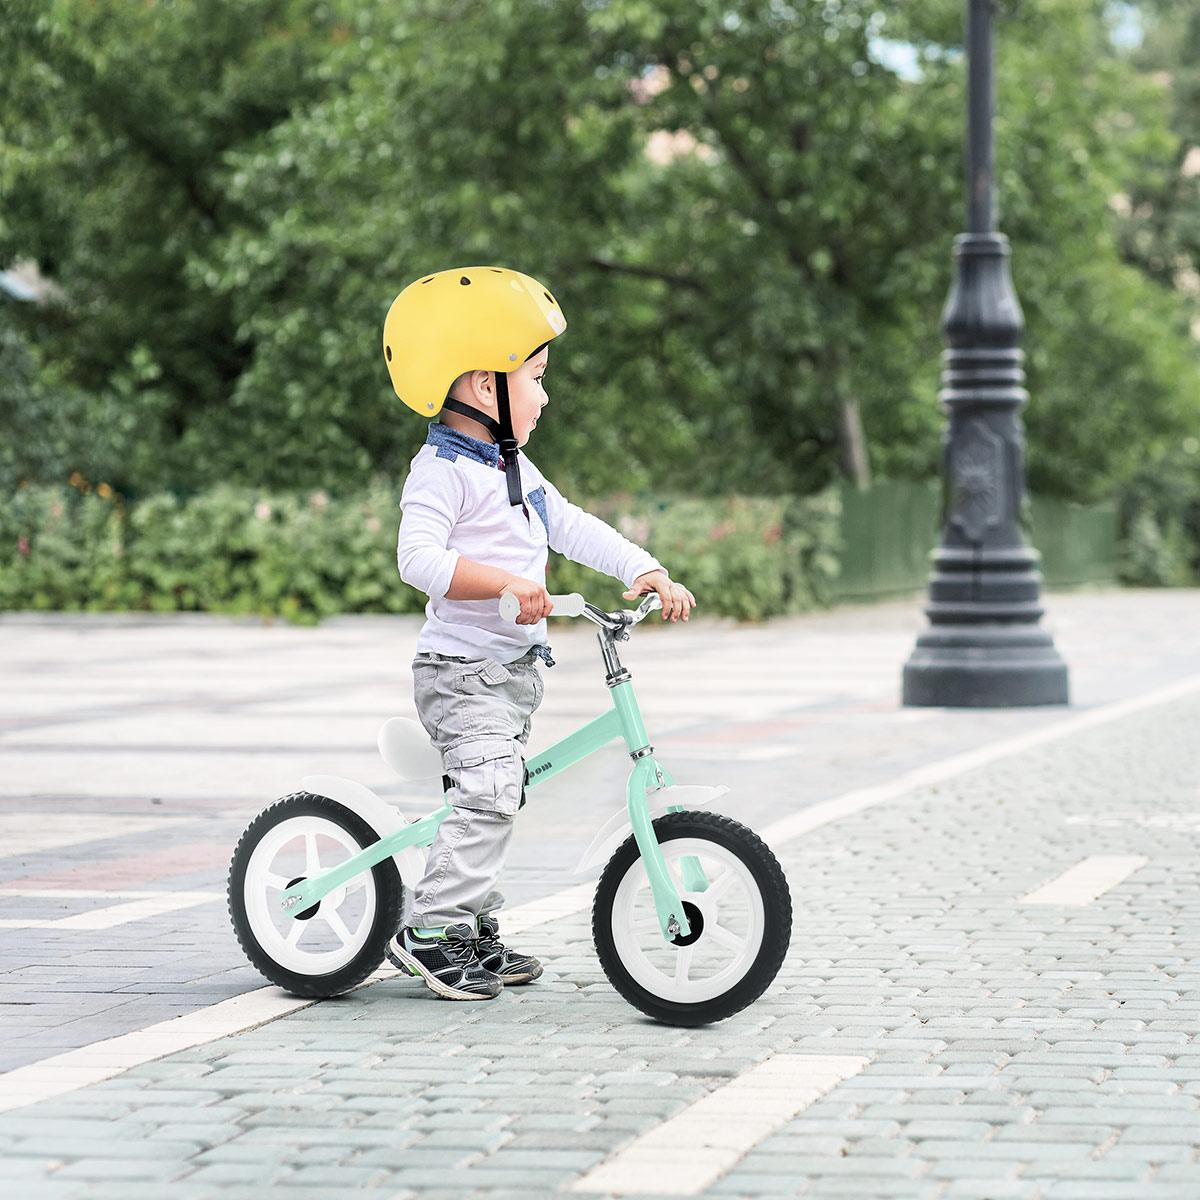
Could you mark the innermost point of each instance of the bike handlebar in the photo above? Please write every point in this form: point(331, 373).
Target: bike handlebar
point(572, 604)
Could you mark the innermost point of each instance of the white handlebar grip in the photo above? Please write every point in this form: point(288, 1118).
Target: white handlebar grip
point(570, 605)
point(510, 607)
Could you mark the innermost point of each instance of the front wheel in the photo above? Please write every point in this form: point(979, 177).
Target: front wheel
point(740, 918)
point(336, 943)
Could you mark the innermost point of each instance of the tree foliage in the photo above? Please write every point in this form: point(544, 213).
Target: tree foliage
point(116, 120)
point(746, 215)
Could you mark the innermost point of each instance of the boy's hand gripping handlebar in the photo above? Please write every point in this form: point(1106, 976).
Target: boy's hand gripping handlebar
point(574, 605)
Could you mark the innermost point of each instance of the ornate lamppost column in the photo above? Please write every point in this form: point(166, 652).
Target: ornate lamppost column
point(984, 646)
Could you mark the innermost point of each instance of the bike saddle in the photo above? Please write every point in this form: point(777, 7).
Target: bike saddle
point(405, 748)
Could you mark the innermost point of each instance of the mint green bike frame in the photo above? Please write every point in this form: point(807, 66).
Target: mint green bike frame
point(623, 720)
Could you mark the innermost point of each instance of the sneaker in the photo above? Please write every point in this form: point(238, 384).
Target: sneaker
point(510, 966)
point(448, 963)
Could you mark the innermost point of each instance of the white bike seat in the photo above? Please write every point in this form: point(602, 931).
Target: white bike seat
point(406, 748)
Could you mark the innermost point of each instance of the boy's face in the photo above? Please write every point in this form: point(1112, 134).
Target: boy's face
point(526, 393)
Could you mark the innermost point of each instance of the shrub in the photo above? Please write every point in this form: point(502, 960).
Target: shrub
point(305, 556)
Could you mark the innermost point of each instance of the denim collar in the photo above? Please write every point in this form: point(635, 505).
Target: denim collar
point(450, 442)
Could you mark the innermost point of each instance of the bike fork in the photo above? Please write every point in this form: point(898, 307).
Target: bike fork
point(672, 919)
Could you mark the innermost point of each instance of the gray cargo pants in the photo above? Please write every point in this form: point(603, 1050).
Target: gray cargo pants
point(477, 713)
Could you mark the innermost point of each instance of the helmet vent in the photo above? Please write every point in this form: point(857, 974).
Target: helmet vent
point(464, 281)
point(430, 279)
point(548, 297)
point(495, 270)
point(388, 351)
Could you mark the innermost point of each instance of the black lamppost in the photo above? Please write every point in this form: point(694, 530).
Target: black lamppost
point(984, 645)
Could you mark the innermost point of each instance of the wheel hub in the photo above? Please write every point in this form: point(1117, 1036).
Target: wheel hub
point(695, 921)
point(308, 913)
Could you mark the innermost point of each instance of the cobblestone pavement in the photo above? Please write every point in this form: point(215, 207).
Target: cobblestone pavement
point(1004, 1042)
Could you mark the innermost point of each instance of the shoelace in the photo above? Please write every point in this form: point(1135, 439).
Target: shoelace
point(489, 944)
point(460, 952)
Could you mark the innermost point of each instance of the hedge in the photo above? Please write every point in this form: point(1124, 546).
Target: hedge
point(302, 557)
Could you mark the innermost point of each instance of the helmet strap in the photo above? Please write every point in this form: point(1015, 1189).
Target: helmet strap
point(508, 443)
point(501, 430)
point(475, 414)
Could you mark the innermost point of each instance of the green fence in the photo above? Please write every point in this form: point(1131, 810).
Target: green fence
point(889, 530)
point(1078, 542)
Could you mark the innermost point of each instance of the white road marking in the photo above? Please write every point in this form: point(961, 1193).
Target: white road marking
point(26, 1086)
point(140, 904)
point(549, 908)
point(716, 752)
point(685, 1154)
point(1182, 822)
point(33, 832)
point(1086, 881)
point(817, 815)
point(116, 1055)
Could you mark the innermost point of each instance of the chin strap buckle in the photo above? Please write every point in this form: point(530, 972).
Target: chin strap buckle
point(512, 470)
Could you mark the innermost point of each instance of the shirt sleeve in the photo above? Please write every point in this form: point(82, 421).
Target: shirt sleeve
point(586, 539)
point(431, 503)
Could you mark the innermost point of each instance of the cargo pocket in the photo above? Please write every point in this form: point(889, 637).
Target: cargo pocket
point(427, 698)
point(487, 774)
point(488, 672)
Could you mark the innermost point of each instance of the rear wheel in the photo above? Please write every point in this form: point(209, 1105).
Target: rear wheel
point(741, 922)
point(334, 944)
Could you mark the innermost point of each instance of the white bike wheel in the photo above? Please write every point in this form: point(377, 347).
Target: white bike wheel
point(326, 937)
point(334, 944)
point(740, 918)
point(727, 936)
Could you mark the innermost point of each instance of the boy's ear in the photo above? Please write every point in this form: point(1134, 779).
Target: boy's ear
point(480, 385)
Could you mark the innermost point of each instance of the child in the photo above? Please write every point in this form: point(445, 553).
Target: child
point(477, 518)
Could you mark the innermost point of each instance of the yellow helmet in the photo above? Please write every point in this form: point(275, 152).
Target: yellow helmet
point(465, 319)
point(468, 319)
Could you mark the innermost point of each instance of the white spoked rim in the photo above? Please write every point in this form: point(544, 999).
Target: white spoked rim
point(304, 846)
point(732, 925)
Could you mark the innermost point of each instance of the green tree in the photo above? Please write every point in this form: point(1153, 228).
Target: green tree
point(729, 247)
point(1160, 210)
point(746, 217)
point(114, 123)
point(1110, 368)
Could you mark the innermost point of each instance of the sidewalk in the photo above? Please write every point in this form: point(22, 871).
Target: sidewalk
point(978, 1035)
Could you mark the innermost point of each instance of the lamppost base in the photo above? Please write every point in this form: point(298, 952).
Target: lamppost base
point(984, 666)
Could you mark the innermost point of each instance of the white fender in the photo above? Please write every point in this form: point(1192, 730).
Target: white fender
point(617, 828)
point(377, 813)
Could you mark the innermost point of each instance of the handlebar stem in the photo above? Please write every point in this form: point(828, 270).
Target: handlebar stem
point(599, 617)
point(623, 618)
point(614, 627)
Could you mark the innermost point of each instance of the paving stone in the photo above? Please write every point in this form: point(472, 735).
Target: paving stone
point(1012, 1052)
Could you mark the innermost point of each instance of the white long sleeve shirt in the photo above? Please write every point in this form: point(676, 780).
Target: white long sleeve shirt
point(455, 504)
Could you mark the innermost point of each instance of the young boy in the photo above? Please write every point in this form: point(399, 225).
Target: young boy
point(477, 519)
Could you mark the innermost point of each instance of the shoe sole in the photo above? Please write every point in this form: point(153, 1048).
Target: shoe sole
point(402, 959)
